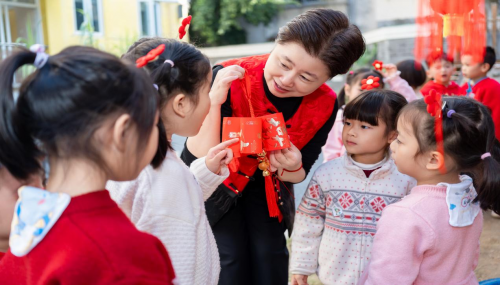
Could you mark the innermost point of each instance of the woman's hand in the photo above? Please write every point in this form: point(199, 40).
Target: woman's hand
point(220, 156)
point(288, 158)
point(222, 83)
point(299, 279)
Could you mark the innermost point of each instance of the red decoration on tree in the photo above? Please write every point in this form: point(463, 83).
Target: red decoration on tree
point(435, 109)
point(370, 83)
point(182, 29)
point(462, 23)
point(377, 64)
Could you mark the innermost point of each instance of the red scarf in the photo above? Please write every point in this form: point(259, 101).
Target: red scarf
point(315, 109)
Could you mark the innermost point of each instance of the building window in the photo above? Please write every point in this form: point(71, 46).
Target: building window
point(179, 11)
point(150, 17)
point(88, 15)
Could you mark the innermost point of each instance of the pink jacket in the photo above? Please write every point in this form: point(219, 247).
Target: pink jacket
point(334, 147)
point(401, 86)
point(415, 243)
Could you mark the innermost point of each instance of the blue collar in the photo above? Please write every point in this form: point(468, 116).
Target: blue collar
point(469, 85)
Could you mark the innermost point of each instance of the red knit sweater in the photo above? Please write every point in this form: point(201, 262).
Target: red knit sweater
point(487, 91)
point(451, 89)
point(93, 242)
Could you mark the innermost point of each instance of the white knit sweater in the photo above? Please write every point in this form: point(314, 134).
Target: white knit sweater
point(336, 220)
point(169, 203)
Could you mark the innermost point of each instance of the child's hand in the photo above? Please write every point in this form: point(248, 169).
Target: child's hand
point(390, 70)
point(220, 156)
point(222, 83)
point(299, 279)
point(288, 158)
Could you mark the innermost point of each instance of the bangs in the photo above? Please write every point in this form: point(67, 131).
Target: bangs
point(365, 108)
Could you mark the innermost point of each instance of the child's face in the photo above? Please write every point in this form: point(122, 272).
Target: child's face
point(441, 71)
point(194, 119)
point(404, 149)
point(472, 70)
point(352, 91)
point(366, 143)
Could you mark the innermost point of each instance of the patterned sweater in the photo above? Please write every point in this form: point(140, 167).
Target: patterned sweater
point(337, 218)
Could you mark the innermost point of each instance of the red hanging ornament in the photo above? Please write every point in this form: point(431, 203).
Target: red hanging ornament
point(378, 65)
point(462, 23)
point(150, 56)
point(182, 29)
point(370, 83)
point(435, 109)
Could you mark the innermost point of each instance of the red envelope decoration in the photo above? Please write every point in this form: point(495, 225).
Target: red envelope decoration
point(231, 129)
point(256, 134)
point(251, 135)
point(274, 131)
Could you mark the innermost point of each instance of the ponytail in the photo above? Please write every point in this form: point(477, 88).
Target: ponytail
point(18, 151)
point(64, 102)
point(488, 180)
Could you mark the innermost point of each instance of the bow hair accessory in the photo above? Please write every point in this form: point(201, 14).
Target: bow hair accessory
point(182, 29)
point(150, 56)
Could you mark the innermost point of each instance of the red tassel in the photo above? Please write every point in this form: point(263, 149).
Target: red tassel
point(272, 205)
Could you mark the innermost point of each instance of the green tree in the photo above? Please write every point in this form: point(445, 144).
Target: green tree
point(217, 22)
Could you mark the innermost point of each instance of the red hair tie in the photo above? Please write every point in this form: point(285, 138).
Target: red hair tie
point(370, 83)
point(182, 29)
point(377, 64)
point(435, 109)
point(150, 56)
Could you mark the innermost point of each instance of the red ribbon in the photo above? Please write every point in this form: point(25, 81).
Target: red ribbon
point(434, 108)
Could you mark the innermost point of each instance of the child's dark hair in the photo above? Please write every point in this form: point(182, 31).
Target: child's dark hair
point(374, 105)
point(437, 56)
point(62, 104)
point(348, 80)
point(188, 74)
point(327, 35)
point(468, 134)
point(490, 57)
point(413, 72)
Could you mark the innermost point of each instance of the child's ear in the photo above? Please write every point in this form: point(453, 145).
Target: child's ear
point(435, 160)
point(122, 129)
point(347, 89)
point(484, 67)
point(392, 136)
point(181, 105)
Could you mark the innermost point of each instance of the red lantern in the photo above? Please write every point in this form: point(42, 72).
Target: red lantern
point(453, 7)
point(462, 23)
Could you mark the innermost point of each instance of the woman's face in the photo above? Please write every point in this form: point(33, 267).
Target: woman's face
point(291, 72)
